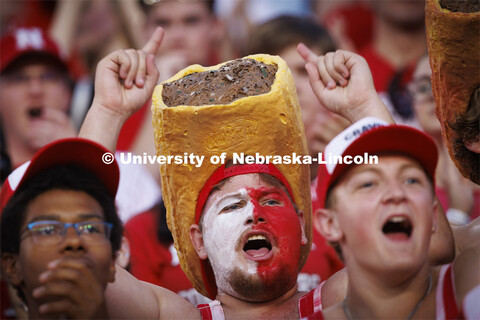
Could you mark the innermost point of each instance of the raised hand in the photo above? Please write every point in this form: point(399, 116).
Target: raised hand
point(124, 82)
point(125, 79)
point(343, 83)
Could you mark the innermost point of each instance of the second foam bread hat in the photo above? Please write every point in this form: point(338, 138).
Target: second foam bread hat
point(453, 39)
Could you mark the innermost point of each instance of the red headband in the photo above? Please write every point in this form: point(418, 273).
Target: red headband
point(222, 173)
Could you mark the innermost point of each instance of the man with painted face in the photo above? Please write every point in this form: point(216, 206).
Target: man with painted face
point(259, 259)
point(248, 290)
point(240, 222)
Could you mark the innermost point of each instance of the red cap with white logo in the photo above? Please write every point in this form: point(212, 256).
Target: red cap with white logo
point(77, 151)
point(24, 41)
point(370, 136)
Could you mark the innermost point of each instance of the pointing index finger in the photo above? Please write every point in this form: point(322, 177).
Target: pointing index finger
point(154, 42)
point(306, 53)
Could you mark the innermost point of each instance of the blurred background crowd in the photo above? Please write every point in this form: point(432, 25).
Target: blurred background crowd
point(45, 94)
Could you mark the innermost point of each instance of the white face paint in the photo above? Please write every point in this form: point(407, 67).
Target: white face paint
point(248, 209)
point(223, 226)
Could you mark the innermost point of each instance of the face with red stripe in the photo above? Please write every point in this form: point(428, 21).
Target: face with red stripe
point(253, 237)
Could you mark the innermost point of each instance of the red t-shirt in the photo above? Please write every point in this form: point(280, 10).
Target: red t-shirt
point(383, 71)
point(131, 128)
point(151, 260)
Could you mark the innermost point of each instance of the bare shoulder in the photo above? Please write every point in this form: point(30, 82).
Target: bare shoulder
point(334, 312)
point(173, 306)
point(335, 288)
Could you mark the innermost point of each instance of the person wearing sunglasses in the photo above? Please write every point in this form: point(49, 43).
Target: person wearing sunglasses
point(60, 231)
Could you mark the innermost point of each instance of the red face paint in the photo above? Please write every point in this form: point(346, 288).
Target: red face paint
point(275, 215)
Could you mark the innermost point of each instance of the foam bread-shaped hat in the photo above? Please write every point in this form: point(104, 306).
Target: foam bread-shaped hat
point(229, 108)
point(453, 46)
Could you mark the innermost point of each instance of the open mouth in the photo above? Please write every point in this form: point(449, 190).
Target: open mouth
point(398, 228)
point(257, 247)
point(35, 112)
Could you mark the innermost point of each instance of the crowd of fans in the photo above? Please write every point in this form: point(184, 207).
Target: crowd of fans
point(45, 94)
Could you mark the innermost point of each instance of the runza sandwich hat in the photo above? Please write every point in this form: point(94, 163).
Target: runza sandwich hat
point(267, 124)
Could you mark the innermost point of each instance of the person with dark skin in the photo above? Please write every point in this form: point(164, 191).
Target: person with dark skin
point(356, 99)
point(139, 74)
point(42, 201)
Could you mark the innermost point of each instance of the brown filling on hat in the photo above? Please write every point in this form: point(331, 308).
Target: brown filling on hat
point(232, 81)
point(466, 6)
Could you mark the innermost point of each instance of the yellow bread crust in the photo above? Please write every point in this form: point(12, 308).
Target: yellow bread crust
point(268, 124)
point(454, 51)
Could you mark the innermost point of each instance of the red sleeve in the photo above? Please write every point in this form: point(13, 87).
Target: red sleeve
point(383, 71)
point(147, 254)
point(451, 308)
point(131, 128)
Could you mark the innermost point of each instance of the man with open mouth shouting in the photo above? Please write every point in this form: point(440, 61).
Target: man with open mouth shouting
point(383, 215)
point(244, 231)
point(259, 259)
point(239, 235)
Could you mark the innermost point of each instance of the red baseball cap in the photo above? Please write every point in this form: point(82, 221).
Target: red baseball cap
point(370, 136)
point(22, 41)
point(82, 152)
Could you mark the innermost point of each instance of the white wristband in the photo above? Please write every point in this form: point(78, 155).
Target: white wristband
point(457, 217)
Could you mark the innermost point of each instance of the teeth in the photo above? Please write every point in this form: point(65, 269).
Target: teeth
point(256, 237)
point(397, 219)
